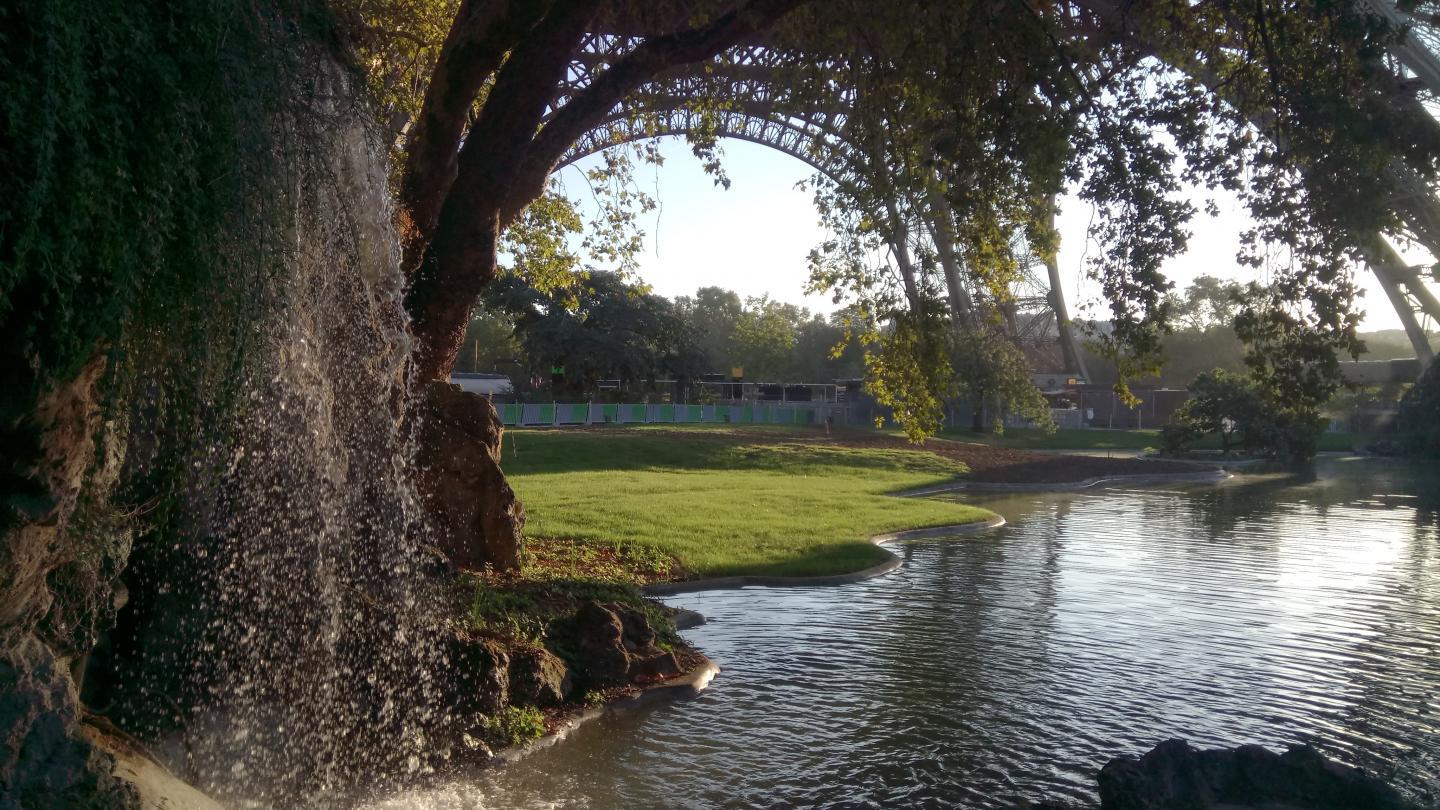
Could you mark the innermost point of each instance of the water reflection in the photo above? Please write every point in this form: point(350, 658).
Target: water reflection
point(1275, 609)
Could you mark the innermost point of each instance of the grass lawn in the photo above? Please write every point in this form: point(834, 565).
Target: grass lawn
point(726, 501)
point(1104, 439)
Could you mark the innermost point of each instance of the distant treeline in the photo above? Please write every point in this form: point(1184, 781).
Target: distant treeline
point(604, 328)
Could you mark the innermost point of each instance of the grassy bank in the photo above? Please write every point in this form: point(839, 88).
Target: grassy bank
point(725, 501)
point(1105, 439)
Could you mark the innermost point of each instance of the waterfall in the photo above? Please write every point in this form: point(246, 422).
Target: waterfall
point(321, 599)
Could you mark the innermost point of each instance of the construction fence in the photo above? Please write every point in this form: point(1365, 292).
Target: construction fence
point(561, 415)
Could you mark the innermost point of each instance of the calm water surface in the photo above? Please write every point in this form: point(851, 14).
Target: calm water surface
point(1011, 665)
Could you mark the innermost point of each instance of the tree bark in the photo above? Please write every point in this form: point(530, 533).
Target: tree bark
point(483, 32)
point(461, 258)
point(508, 155)
point(458, 205)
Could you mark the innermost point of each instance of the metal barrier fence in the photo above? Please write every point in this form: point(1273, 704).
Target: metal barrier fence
point(561, 414)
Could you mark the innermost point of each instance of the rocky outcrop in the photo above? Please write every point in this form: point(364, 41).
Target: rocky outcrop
point(1175, 776)
point(538, 677)
point(486, 675)
point(45, 761)
point(56, 572)
point(616, 645)
point(480, 670)
point(475, 514)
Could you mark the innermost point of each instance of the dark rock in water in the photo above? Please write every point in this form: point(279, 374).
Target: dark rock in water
point(480, 675)
point(1174, 776)
point(476, 515)
point(616, 645)
point(538, 677)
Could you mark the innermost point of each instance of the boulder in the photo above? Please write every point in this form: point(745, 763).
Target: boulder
point(616, 645)
point(1175, 776)
point(479, 675)
point(56, 571)
point(599, 644)
point(538, 677)
point(478, 520)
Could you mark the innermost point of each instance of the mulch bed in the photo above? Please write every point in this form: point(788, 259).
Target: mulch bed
point(998, 465)
point(991, 465)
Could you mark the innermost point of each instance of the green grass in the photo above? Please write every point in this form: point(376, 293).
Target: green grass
point(1104, 439)
point(725, 501)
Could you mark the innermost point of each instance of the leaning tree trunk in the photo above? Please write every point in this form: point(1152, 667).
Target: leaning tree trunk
point(459, 435)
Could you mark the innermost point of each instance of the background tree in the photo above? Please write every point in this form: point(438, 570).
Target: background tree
point(1420, 416)
point(764, 339)
point(489, 339)
point(604, 329)
point(712, 315)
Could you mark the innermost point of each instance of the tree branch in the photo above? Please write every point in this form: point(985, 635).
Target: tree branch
point(483, 32)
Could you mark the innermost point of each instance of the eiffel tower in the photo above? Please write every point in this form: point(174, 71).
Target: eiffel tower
point(760, 107)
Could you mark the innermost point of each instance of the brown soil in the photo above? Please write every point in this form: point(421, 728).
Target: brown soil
point(998, 465)
point(992, 465)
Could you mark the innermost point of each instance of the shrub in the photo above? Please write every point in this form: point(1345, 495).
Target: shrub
point(514, 725)
point(1232, 406)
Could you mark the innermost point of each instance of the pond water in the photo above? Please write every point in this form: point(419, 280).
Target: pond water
point(1011, 665)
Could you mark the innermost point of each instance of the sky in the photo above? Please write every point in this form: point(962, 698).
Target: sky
point(753, 238)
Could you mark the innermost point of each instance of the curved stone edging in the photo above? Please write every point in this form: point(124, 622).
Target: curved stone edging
point(1206, 477)
point(755, 580)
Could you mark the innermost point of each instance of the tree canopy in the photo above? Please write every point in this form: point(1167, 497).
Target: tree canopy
point(946, 132)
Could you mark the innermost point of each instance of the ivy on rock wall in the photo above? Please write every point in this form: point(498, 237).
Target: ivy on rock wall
point(130, 135)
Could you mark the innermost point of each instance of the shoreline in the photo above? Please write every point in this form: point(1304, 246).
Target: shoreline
point(691, 684)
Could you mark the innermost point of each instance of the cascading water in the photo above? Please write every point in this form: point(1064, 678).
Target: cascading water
point(321, 633)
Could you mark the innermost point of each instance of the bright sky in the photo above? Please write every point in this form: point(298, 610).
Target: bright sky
point(754, 237)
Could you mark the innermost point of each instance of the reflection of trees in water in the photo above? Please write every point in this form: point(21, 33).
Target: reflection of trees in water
point(973, 638)
point(1379, 639)
point(1394, 664)
point(1217, 511)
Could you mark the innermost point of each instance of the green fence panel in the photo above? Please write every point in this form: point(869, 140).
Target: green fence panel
point(694, 413)
point(747, 414)
point(510, 414)
point(547, 414)
point(610, 413)
point(575, 413)
point(634, 413)
point(667, 413)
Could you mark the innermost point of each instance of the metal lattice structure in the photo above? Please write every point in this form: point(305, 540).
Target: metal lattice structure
point(746, 94)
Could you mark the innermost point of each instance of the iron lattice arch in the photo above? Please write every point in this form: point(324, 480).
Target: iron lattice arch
point(758, 108)
point(745, 95)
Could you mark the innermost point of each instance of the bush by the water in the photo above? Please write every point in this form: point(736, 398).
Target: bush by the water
point(1233, 408)
point(515, 725)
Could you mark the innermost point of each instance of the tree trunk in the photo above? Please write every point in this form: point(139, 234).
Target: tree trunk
point(458, 206)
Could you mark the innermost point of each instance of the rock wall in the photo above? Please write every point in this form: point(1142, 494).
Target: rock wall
point(55, 598)
point(242, 423)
